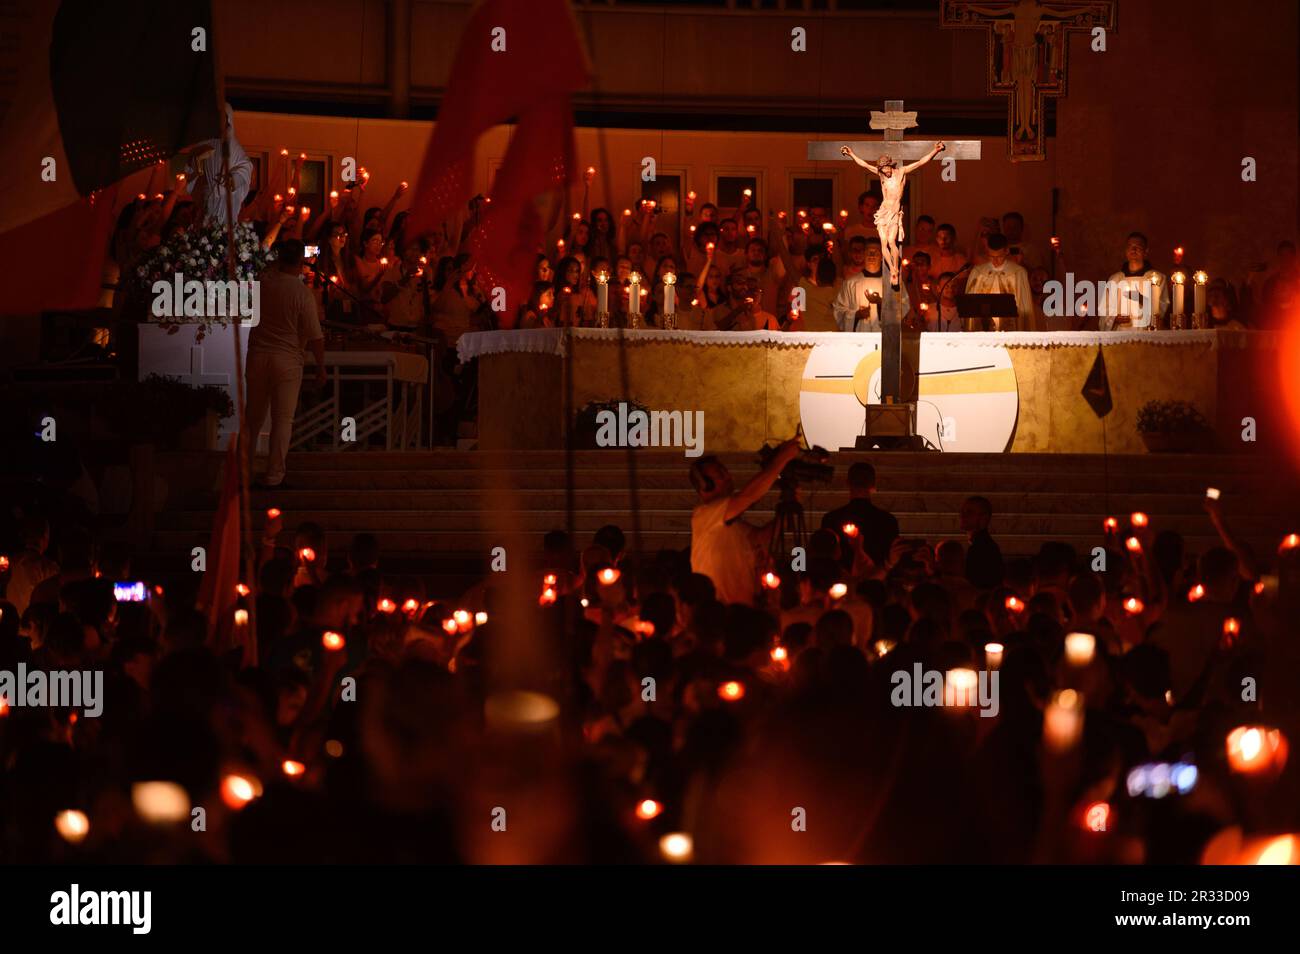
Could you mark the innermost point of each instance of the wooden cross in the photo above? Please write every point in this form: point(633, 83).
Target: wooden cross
point(1028, 52)
point(893, 121)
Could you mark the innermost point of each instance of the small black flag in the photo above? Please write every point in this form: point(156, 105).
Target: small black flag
point(1096, 390)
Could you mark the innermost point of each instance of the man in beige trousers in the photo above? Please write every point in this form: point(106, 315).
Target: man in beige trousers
point(288, 325)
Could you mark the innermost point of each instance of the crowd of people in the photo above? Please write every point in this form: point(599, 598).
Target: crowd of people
point(723, 703)
point(735, 268)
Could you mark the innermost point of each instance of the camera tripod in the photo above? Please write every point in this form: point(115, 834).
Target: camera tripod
point(790, 530)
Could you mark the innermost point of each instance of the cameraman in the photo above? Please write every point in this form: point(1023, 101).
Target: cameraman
point(724, 547)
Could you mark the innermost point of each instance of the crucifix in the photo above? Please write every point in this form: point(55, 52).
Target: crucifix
point(881, 158)
point(1028, 50)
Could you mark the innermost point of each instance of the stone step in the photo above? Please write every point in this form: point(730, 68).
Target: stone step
point(679, 518)
point(650, 460)
point(1022, 482)
point(815, 497)
point(473, 546)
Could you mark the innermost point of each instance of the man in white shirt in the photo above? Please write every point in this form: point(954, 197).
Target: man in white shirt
point(288, 324)
point(1141, 294)
point(724, 547)
point(1001, 276)
point(857, 306)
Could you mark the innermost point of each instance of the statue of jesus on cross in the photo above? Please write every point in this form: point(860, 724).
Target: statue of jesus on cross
point(889, 217)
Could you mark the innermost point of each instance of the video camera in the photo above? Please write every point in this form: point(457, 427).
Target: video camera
point(811, 467)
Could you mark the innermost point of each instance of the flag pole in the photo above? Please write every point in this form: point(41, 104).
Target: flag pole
point(242, 444)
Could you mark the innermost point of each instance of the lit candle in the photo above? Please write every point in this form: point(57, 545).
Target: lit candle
point(993, 655)
point(771, 581)
point(1080, 648)
point(463, 618)
point(73, 826)
point(238, 790)
point(677, 847)
point(1134, 545)
point(548, 597)
point(1134, 606)
point(160, 803)
point(450, 626)
point(332, 641)
point(241, 618)
point(1231, 630)
point(850, 530)
point(292, 768)
point(1180, 291)
point(647, 809)
point(670, 294)
point(307, 554)
point(386, 605)
point(959, 687)
point(1178, 255)
point(838, 591)
point(411, 606)
point(1289, 542)
point(1196, 593)
point(1063, 721)
point(1198, 293)
point(480, 618)
point(634, 294)
point(731, 691)
point(608, 576)
point(1111, 524)
point(749, 193)
point(1015, 604)
point(241, 589)
point(602, 292)
point(1138, 519)
point(1253, 749)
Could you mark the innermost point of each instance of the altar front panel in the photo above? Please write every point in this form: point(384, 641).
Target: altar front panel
point(748, 383)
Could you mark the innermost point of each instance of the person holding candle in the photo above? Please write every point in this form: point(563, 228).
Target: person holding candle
point(768, 272)
point(876, 529)
point(857, 305)
point(729, 254)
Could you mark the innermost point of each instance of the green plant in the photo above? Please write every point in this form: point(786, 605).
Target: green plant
point(157, 409)
point(1170, 417)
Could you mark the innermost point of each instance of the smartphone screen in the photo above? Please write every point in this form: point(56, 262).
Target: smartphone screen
point(130, 592)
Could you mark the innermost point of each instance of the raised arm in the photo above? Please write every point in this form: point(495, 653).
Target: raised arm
point(848, 151)
point(938, 148)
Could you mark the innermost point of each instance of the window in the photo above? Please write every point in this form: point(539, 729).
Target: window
point(730, 188)
point(814, 192)
point(666, 191)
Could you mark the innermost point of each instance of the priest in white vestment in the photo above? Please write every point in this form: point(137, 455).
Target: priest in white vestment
point(857, 306)
point(1001, 276)
point(1137, 294)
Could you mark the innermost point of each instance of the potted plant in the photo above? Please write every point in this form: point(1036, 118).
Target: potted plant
point(1173, 427)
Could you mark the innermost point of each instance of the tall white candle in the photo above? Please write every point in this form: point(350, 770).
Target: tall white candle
point(602, 293)
point(1198, 293)
point(634, 295)
point(670, 294)
point(1180, 291)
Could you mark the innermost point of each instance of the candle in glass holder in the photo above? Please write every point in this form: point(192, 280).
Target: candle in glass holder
point(1198, 293)
point(959, 687)
point(1080, 648)
point(1063, 721)
point(993, 655)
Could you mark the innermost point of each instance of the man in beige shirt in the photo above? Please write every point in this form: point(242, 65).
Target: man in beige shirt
point(287, 326)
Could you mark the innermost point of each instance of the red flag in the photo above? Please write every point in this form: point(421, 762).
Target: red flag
point(515, 61)
point(60, 257)
point(217, 595)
